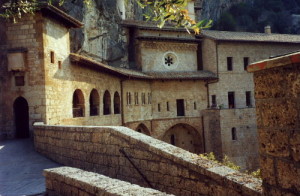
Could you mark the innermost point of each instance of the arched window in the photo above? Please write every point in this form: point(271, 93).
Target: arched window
point(233, 133)
point(106, 103)
point(78, 104)
point(117, 103)
point(94, 103)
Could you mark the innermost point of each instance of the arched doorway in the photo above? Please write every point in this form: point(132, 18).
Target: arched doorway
point(143, 129)
point(21, 114)
point(185, 137)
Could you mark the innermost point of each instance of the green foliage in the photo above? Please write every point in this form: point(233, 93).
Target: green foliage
point(256, 174)
point(226, 162)
point(174, 12)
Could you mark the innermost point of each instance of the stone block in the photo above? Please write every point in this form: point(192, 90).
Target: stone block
point(277, 113)
point(288, 175)
point(274, 142)
point(295, 145)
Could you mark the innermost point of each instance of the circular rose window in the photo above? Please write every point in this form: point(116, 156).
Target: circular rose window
point(170, 60)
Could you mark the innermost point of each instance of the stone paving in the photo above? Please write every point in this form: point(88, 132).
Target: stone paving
point(21, 168)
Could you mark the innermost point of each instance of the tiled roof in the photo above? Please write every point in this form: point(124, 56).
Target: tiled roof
point(183, 75)
point(252, 37)
point(275, 62)
point(129, 73)
point(54, 12)
point(148, 25)
point(172, 39)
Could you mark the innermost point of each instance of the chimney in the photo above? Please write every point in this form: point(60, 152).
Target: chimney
point(268, 29)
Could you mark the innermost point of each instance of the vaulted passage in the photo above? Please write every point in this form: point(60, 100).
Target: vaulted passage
point(184, 136)
point(143, 129)
point(21, 115)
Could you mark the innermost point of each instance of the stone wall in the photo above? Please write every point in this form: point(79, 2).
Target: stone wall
point(166, 167)
point(243, 149)
point(153, 54)
point(69, 181)
point(25, 37)
point(277, 93)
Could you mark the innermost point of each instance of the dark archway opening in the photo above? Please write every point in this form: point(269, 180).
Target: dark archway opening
point(78, 104)
point(117, 103)
point(143, 129)
point(21, 114)
point(106, 103)
point(94, 103)
point(185, 137)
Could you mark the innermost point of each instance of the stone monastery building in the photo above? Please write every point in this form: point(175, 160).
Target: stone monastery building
point(191, 91)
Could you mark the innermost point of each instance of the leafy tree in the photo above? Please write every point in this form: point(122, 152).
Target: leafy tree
point(161, 11)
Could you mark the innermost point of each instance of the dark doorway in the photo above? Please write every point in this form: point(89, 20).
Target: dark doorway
point(21, 118)
point(180, 107)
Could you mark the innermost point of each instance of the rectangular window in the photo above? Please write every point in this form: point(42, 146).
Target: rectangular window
point(19, 81)
point(195, 106)
point(128, 98)
point(52, 58)
point(143, 98)
point(149, 98)
point(158, 107)
point(168, 107)
point(180, 107)
point(246, 63)
point(233, 134)
point(136, 98)
point(59, 64)
point(231, 101)
point(229, 63)
point(248, 99)
point(213, 101)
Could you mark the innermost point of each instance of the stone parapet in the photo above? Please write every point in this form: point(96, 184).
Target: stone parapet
point(277, 90)
point(69, 181)
point(151, 163)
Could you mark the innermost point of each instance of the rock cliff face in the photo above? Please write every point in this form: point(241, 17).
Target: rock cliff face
point(212, 9)
point(104, 39)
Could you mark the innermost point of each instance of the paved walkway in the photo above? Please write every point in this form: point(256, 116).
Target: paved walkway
point(21, 168)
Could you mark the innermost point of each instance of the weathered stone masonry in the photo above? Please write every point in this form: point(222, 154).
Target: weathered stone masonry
point(167, 168)
point(76, 182)
point(277, 90)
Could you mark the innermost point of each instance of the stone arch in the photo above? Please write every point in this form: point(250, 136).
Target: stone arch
point(94, 103)
point(106, 103)
point(21, 117)
point(117, 103)
point(143, 129)
point(184, 136)
point(78, 104)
